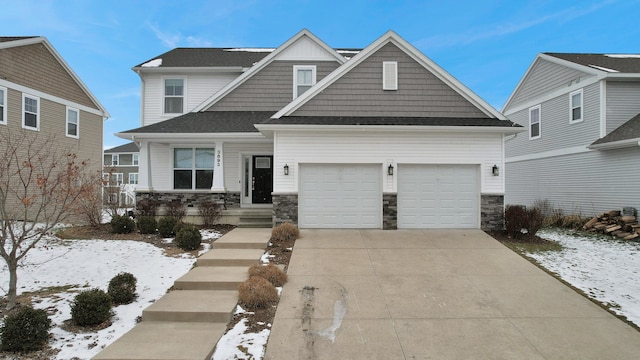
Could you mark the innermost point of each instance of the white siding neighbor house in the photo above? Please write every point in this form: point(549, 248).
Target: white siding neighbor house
point(581, 147)
point(380, 137)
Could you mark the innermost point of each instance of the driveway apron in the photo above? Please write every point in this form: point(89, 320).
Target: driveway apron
point(433, 294)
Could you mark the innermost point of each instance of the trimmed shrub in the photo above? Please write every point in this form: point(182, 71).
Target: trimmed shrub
point(176, 210)
point(520, 221)
point(25, 330)
point(122, 224)
point(284, 232)
point(179, 226)
point(210, 212)
point(166, 227)
point(257, 293)
point(147, 224)
point(269, 272)
point(122, 288)
point(147, 207)
point(91, 307)
point(188, 238)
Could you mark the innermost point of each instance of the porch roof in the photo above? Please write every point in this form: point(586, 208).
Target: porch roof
point(207, 122)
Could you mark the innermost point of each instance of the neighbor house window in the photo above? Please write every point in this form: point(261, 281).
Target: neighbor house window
point(193, 168)
point(575, 99)
point(30, 112)
point(115, 159)
point(73, 119)
point(534, 122)
point(173, 96)
point(135, 159)
point(304, 77)
point(133, 178)
point(3, 105)
point(116, 179)
point(389, 75)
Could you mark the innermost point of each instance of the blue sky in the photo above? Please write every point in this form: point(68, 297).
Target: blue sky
point(488, 45)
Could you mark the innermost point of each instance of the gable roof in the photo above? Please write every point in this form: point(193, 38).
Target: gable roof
point(612, 63)
point(627, 134)
point(304, 33)
point(131, 147)
point(391, 37)
point(17, 41)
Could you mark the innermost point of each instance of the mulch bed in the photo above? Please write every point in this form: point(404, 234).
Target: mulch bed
point(505, 237)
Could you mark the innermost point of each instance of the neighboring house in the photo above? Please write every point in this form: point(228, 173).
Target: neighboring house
point(581, 149)
point(122, 163)
point(375, 138)
point(40, 94)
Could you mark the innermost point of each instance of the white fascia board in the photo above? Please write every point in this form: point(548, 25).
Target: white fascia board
point(552, 95)
point(616, 144)
point(413, 52)
point(262, 64)
point(391, 128)
point(188, 136)
point(623, 76)
point(22, 42)
point(192, 69)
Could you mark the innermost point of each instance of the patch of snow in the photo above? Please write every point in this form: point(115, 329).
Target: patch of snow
point(210, 234)
point(603, 68)
point(265, 258)
point(623, 56)
point(230, 343)
point(605, 269)
point(85, 264)
point(152, 63)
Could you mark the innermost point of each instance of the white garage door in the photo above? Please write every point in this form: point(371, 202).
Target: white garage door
point(340, 196)
point(438, 196)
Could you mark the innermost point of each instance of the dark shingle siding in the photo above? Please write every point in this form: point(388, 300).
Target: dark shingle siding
point(620, 63)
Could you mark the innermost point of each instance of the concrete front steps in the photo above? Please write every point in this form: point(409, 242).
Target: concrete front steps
point(188, 322)
point(255, 218)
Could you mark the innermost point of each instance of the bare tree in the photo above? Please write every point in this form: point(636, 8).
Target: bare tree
point(39, 183)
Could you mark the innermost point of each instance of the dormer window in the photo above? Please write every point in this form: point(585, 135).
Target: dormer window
point(304, 77)
point(173, 96)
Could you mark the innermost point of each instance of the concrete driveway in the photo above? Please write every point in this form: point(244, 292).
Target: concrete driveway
point(433, 294)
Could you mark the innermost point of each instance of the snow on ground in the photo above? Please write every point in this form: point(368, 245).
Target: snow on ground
point(86, 264)
point(236, 338)
point(606, 269)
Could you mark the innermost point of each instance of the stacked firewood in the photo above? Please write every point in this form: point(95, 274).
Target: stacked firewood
point(613, 223)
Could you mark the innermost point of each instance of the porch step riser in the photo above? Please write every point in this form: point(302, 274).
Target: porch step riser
point(227, 262)
point(255, 225)
point(260, 246)
point(206, 285)
point(191, 316)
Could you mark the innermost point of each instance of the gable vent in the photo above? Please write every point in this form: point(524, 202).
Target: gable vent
point(390, 75)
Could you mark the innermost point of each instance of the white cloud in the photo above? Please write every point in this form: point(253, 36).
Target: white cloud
point(175, 40)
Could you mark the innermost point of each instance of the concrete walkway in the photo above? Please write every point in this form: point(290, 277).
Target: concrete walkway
point(453, 294)
point(188, 322)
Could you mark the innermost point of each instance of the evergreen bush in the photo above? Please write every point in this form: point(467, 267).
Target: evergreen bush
point(166, 227)
point(147, 224)
point(122, 224)
point(25, 330)
point(188, 238)
point(91, 307)
point(122, 288)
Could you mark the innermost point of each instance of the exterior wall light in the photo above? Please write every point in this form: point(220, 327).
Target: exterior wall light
point(390, 170)
point(286, 169)
point(495, 170)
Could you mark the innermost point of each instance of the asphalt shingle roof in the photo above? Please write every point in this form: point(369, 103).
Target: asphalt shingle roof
point(14, 38)
point(207, 122)
point(131, 147)
point(624, 63)
point(406, 121)
point(626, 131)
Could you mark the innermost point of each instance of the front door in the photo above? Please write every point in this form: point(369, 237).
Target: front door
point(262, 179)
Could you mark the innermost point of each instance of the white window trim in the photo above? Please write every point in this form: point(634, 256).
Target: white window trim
point(539, 122)
point(4, 106)
point(193, 165)
point(119, 179)
point(136, 174)
point(295, 76)
point(66, 130)
point(24, 126)
point(135, 157)
point(184, 94)
point(571, 107)
point(387, 82)
point(117, 157)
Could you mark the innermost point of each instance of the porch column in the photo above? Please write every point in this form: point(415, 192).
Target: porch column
point(144, 168)
point(218, 168)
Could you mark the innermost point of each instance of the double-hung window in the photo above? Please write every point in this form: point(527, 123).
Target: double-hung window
point(73, 122)
point(193, 168)
point(115, 159)
point(173, 96)
point(3, 106)
point(534, 122)
point(133, 178)
point(135, 159)
point(30, 112)
point(304, 77)
point(575, 105)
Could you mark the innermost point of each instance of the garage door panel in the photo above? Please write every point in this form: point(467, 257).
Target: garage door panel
point(347, 196)
point(438, 196)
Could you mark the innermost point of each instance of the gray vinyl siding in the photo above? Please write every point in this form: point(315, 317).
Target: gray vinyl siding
point(556, 131)
point(623, 103)
point(359, 92)
point(543, 78)
point(269, 89)
point(585, 183)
